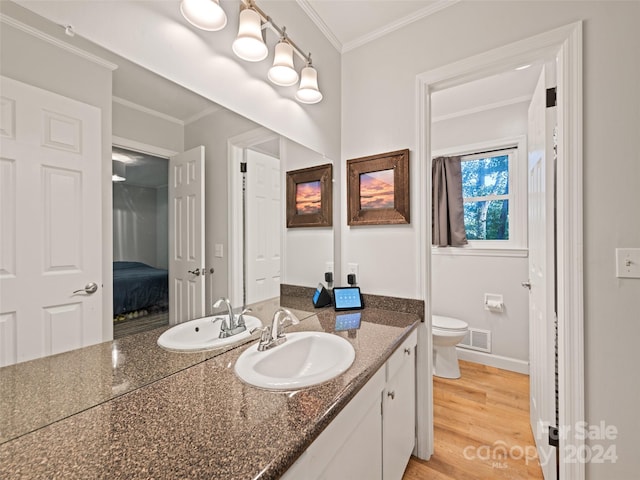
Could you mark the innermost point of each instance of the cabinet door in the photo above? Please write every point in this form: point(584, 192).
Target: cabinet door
point(398, 419)
point(360, 457)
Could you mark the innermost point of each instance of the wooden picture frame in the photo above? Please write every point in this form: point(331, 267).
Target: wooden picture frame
point(378, 189)
point(310, 197)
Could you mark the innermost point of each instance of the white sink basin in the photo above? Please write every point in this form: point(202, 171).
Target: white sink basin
point(305, 359)
point(203, 334)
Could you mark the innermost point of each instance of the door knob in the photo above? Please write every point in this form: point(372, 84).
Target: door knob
point(89, 288)
point(195, 272)
point(526, 284)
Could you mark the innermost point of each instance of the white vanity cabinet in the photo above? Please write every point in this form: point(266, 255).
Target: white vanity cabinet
point(373, 436)
point(398, 410)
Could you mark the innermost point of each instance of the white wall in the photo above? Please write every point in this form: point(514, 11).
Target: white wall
point(135, 225)
point(308, 249)
point(379, 108)
point(133, 124)
point(459, 282)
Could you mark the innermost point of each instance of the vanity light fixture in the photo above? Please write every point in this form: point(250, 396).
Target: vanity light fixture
point(119, 172)
point(250, 44)
point(204, 14)
point(283, 72)
point(308, 91)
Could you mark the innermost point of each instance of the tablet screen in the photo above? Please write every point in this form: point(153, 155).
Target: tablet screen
point(347, 298)
point(347, 321)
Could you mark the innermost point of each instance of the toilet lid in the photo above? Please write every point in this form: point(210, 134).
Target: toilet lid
point(448, 323)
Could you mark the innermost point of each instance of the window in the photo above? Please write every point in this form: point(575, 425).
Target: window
point(487, 195)
point(494, 191)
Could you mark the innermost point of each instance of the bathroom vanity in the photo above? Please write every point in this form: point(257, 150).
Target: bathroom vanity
point(203, 422)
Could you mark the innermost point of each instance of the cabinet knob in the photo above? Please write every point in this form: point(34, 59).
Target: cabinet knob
point(407, 351)
point(391, 394)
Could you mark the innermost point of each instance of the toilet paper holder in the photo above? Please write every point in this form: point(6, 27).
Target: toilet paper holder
point(493, 302)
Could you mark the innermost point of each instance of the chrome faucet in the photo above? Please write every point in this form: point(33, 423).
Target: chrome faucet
point(273, 335)
point(233, 325)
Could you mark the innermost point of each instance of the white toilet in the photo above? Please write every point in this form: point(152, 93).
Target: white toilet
point(447, 333)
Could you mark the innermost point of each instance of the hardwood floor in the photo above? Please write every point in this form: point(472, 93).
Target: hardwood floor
point(481, 424)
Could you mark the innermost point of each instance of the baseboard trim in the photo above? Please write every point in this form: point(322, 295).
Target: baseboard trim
point(506, 363)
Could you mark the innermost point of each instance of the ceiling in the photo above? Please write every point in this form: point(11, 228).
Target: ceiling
point(350, 23)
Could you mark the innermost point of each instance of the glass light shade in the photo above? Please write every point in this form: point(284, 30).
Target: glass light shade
point(205, 14)
point(308, 91)
point(283, 72)
point(119, 170)
point(249, 44)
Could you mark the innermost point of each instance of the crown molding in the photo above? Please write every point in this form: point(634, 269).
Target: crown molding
point(207, 111)
point(4, 18)
point(149, 111)
point(398, 24)
point(482, 108)
point(324, 28)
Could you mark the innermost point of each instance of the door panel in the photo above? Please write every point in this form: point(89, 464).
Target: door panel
point(263, 227)
point(541, 276)
point(186, 245)
point(50, 223)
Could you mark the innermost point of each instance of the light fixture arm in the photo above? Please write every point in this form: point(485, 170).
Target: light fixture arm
point(281, 32)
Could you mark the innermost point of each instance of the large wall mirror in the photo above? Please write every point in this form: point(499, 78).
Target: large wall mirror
point(146, 121)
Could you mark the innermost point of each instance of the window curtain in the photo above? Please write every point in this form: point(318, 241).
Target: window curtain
point(448, 209)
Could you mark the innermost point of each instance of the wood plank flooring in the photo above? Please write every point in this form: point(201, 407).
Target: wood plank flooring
point(481, 425)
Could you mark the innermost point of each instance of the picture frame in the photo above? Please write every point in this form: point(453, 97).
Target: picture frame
point(310, 197)
point(378, 189)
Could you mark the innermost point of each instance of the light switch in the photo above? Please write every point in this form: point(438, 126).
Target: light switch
point(628, 262)
point(218, 250)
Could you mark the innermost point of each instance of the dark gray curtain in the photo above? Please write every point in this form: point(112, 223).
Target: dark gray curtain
point(448, 210)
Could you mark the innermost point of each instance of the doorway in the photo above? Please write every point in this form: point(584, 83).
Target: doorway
point(247, 151)
point(140, 241)
point(564, 44)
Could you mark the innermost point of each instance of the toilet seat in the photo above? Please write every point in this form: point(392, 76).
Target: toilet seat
point(448, 324)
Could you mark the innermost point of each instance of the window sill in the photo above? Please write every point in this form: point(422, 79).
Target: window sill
point(481, 252)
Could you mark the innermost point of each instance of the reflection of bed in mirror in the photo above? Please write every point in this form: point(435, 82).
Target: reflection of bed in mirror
point(138, 286)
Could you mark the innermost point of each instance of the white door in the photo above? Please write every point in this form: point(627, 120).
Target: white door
point(50, 223)
point(263, 226)
point(542, 275)
point(186, 236)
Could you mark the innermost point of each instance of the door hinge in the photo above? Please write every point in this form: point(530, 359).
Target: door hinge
point(243, 167)
point(554, 439)
point(552, 99)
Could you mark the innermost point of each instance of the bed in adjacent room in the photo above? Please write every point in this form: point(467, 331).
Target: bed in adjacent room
point(138, 286)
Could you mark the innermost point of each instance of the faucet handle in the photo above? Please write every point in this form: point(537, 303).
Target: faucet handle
point(281, 316)
point(240, 317)
point(266, 340)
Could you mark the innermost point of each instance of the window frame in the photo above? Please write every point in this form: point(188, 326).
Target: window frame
point(516, 245)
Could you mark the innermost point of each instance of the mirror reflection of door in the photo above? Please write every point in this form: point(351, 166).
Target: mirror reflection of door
point(263, 226)
point(140, 242)
point(50, 235)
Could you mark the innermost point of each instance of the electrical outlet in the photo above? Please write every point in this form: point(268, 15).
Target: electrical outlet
point(353, 268)
point(328, 267)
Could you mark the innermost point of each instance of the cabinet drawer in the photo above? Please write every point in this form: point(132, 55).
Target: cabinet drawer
point(404, 352)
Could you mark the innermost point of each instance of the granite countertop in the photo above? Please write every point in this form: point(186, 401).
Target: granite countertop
point(202, 421)
point(36, 393)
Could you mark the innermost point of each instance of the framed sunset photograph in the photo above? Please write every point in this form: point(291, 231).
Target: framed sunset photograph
point(378, 189)
point(309, 197)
